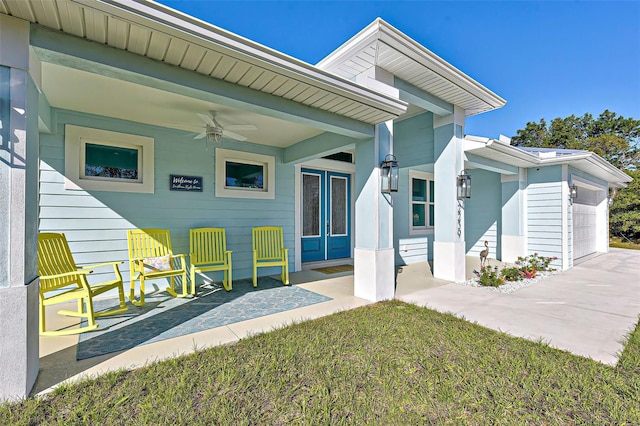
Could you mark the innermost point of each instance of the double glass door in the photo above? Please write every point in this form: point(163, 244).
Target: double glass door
point(326, 215)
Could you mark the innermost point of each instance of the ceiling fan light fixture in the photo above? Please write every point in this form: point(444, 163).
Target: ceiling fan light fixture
point(214, 133)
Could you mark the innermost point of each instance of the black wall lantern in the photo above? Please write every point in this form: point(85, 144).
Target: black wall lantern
point(464, 185)
point(389, 174)
point(573, 191)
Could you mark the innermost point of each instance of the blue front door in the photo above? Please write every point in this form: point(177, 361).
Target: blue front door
point(326, 215)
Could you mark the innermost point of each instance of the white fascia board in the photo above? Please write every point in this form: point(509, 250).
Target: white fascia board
point(351, 47)
point(379, 30)
point(472, 143)
point(529, 159)
point(588, 162)
point(177, 24)
point(414, 50)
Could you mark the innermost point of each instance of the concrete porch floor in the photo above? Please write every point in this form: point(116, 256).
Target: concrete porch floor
point(58, 363)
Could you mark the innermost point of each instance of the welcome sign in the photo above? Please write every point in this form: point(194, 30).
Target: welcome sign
point(185, 183)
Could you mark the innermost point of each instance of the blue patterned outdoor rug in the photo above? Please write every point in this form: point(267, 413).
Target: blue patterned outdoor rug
point(164, 317)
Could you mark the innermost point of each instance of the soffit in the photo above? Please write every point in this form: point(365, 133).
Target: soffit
point(77, 90)
point(152, 30)
point(585, 161)
point(383, 46)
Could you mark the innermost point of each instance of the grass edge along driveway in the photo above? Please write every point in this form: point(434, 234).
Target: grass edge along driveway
point(387, 363)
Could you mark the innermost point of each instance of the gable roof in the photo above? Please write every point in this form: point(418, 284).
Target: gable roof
point(384, 46)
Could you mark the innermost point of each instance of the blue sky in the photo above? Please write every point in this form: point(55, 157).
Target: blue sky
point(547, 59)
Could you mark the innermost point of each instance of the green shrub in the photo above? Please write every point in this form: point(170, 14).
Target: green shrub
point(511, 274)
point(535, 261)
point(490, 276)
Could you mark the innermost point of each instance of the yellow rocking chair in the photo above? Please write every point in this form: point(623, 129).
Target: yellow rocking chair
point(151, 257)
point(269, 250)
point(208, 252)
point(58, 273)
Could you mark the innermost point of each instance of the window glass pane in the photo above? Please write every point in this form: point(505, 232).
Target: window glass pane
point(310, 205)
point(111, 161)
point(243, 175)
point(338, 206)
point(418, 215)
point(431, 214)
point(419, 190)
point(432, 191)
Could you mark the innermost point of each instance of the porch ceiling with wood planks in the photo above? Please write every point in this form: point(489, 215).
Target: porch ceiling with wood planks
point(162, 34)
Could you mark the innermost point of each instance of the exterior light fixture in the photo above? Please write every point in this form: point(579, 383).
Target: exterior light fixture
point(464, 185)
point(610, 200)
point(389, 174)
point(573, 191)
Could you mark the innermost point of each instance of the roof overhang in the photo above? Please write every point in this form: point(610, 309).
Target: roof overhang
point(382, 45)
point(585, 161)
point(155, 31)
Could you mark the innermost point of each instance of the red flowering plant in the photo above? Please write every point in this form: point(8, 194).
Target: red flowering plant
point(528, 273)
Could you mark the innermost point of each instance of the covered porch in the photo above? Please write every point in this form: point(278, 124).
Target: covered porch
point(59, 355)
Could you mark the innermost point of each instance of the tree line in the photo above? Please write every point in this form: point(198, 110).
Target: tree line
point(614, 138)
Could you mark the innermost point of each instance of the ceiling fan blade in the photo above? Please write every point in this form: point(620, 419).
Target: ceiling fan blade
point(200, 136)
point(233, 135)
point(206, 118)
point(241, 127)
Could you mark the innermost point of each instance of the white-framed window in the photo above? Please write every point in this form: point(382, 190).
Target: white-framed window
point(245, 175)
point(101, 160)
point(421, 202)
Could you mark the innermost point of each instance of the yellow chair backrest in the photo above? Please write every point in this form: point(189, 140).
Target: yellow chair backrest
point(54, 257)
point(207, 245)
point(268, 242)
point(144, 243)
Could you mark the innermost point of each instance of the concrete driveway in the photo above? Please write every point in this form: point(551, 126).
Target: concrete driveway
point(588, 310)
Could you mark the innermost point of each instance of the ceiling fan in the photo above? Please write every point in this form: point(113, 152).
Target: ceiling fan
point(214, 131)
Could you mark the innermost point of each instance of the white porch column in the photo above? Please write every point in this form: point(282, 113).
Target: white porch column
point(19, 212)
point(374, 263)
point(448, 244)
point(514, 216)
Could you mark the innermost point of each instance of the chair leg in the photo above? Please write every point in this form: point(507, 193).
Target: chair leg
point(42, 318)
point(123, 303)
point(227, 281)
point(185, 289)
point(132, 293)
point(132, 297)
point(193, 280)
point(285, 274)
point(172, 289)
point(255, 275)
point(91, 319)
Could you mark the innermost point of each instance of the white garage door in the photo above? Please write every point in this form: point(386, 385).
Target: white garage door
point(584, 223)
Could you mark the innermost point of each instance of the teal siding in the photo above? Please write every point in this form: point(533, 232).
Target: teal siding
point(95, 222)
point(544, 212)
point(401, 206)
point(413, 140)
point(483, 214)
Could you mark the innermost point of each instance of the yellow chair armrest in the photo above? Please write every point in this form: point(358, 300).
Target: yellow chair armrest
point(97, 265)
point(67, 274)
point(182, 259)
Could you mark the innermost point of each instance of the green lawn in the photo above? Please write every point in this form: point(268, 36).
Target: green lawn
point(389, 363)
point(624, 245)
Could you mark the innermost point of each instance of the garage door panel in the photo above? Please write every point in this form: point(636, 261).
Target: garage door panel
point(584, 229)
